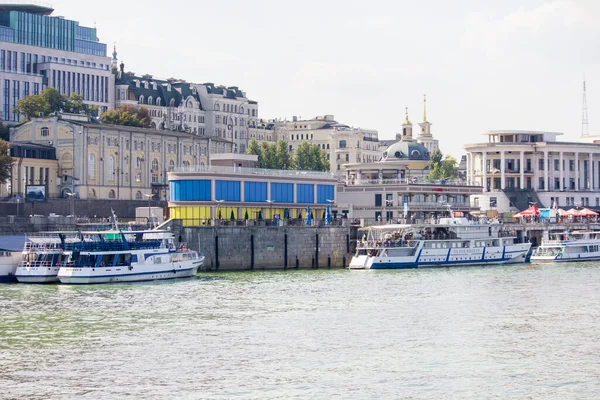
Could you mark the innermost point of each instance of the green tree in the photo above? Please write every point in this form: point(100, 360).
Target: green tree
point(268, 152)
point(282, 155)
point(127, 116)
point(254, 148)
point(4, 132)
point(75, 103)
point(310, 157)
point(55, 101)
point(32, 106)
point(441, 167)
point(6, 161)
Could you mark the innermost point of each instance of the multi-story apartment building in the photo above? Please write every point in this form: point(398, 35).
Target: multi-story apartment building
point(342, 143)
point(518, 167)
point(39, 50)
point(203, 109)
point(101, 161)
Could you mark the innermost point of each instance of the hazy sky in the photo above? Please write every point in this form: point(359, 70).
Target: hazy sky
point(511, 64)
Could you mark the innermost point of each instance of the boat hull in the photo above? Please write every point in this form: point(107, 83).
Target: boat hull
point(37, 274)
point(8, 268)
point(438, 258)
point(89, 275)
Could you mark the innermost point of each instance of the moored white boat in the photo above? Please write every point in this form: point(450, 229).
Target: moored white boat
point(11, 248)
point(130, 256)
point(42, 256)
point(568, 246)
point(447, 243)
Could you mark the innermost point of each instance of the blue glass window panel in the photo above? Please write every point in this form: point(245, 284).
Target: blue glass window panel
point(255, 191)
point(324, 193)
point(306, 193)
point(190, 190)
point(282, 192)
point(227, 190)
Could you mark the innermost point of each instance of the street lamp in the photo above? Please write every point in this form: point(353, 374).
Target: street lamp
point(72, 196)
point(149, 196)
point(271, 208)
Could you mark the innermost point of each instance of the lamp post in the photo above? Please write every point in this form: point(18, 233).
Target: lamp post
point(271, 208)
point(72, 196)
point(149, 196)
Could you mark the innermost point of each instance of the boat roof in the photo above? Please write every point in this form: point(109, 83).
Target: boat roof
point(388, 227)
point(12, 242)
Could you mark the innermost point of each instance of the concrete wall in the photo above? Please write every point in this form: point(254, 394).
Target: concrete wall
point(260, 247)
point(125, 209)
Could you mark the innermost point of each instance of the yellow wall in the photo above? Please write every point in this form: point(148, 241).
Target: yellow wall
point(191, 216)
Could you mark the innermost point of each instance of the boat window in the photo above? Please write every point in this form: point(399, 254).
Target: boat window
point(157, 260)
point(124, 259)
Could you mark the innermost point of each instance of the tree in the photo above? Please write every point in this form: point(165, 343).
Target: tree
point(127, 116)
point(268, 152)
point(4, 132)
point(440, 167)
point(32, 106)
point(55, 101)
point(254, 148)
point(310, 157)
point(282, 155)
point(6, 161)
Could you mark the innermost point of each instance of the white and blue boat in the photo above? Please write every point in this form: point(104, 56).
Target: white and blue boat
point(128, 256)
point(568, 246)
point(449, 242)
point(11, 248)
point(42, 256)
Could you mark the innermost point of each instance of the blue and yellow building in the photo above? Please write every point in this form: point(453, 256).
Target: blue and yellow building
point(201, 194)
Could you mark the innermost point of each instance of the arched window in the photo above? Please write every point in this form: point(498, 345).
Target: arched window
point(142, 99)
point(138, 195)
point(158, 101)
point(171, 165)
point(150, 100)
point(138, 163)
point(155, 165)
point(45, 132)
point(217, 107)
point(172, 103)
point(111, 194)
point(186, 164)
point(92, 166)
point(111, 169)
point(92, 193)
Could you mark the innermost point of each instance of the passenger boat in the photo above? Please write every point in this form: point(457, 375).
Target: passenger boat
point(448, 242)
point(128, 256)
point(568, 246)
point(11, 248)
point(43, 255)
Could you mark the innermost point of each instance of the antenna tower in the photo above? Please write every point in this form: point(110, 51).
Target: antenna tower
point(584, 117)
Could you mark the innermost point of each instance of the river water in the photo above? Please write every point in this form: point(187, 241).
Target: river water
point(518, 332)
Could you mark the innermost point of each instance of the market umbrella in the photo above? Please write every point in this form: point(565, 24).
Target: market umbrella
point(531, 211)
point(586, 212)
point(308, 216)
point(562, 213)
point(573, 212)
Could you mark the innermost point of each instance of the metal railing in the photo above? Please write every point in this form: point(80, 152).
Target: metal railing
point(255, 171)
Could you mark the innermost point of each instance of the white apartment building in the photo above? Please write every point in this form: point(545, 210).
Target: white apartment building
point(517, 167)
point(342, 143)
point(38, 50)
point(200, 109)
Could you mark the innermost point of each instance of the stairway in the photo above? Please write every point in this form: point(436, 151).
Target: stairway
point(522, 199)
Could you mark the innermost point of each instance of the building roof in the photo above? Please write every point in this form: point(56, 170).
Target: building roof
point(405, 151)
point(31, 7)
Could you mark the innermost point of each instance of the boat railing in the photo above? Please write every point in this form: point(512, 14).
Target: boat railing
point(31, 247)
point(369, 244)
point(118, 246)
point(35, 264)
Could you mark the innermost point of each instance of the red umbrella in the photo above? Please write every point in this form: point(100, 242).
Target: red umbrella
point(572, 211)
point(533, 210)
point(586, 212)
point(562, 213)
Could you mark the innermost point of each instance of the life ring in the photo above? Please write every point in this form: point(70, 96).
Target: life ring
point(102, 264)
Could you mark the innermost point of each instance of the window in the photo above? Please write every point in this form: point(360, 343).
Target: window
point(111, 194)
point(150, 100)
point(571, 165)
point(142, 99)
point(92, 166)
point(138, 177)
point(171, 165)
point(493, 202)
point(158, 101)
point(557, 165)
point(378, 201)
point(138, 195)
point(111, 169)
point(155, 165)
point(138, 163)
point(45, 132)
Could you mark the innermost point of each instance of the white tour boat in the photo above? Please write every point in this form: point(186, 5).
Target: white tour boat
point(447, 243)
point(11, 248)
point(128, 256)
point(568, 246)
point(43, 255)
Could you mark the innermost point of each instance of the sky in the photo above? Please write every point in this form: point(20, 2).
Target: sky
point(511, 64)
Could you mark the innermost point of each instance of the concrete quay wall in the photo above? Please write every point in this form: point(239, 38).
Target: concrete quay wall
point(262, 247)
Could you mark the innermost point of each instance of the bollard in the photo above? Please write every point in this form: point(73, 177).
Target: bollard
point(344, 262)
point(251, 252)
point(329, 261)
point(297, 263)
point(313, 262)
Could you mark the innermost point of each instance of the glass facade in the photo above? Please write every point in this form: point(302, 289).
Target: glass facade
point(50, 32)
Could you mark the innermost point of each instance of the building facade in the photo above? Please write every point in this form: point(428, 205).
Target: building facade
point(342, 143)
point(517, 168)
point(199, 195)
point(34, 165)
point(38, 50)
point(397, 188)
point(100, 161)
point(205, 109)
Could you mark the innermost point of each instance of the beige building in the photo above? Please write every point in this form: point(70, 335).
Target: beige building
point(342, 143)
point(100, 161)
point(34, 165)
